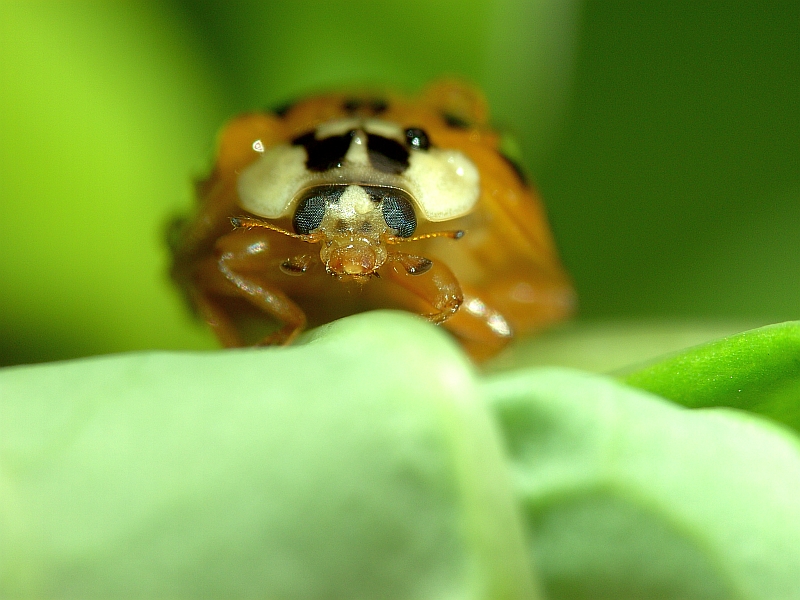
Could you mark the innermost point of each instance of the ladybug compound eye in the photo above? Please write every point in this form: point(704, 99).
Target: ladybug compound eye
point(309, 214)
point(399, 215)
point(417, 138)
point(396, 206)
point(312, 207)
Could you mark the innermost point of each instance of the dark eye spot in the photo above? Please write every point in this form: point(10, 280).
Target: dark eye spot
point(417, 138)
point(387, 155)
point(324, 154)
point(399, 215)
point(312, 206)
point(455, 121)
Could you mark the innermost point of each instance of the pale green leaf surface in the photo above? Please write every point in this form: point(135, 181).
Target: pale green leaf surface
point(363, 460)
point(758, 370)
point(611, 345)
point(628, 496)
point(361, 464)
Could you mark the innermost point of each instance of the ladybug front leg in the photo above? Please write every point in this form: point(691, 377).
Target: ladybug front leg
point(432, 283)
point(482, 330)
point(244, 266)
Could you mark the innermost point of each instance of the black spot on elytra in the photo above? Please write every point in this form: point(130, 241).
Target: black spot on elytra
point(378, 106)
point(387, 155)
point(312, 206)
point(282, 109)
point(324, 154)
point(455, 121)
point(523, 178)
point(417, 138)
point(374, 105)
point(351, 105)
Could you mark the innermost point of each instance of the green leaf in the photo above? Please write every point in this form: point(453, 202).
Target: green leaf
point(361, 464)
point(757, 370)
point(607, 346)
point(107, 112)
point(630, 496)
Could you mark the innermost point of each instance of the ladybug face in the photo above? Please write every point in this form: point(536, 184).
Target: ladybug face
point(350, 178)
point(356, 183)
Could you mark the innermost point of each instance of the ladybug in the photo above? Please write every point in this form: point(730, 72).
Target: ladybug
point(342, 203)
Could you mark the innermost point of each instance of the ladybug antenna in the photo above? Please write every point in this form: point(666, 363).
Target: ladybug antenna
point(249, 223)
point(453, 235)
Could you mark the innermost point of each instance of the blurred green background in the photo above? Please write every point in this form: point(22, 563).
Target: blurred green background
point(664, 137)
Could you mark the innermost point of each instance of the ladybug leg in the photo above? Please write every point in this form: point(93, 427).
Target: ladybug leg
point(482, 330)
point(299, 265)
point(240, 269)
point(530, 298)
point(432, 283)
point(213, 313)
point(270, 300)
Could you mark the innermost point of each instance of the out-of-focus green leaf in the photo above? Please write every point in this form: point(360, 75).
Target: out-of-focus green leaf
point(361, 464)
point(757, 370)
point(107, 111)
point(606, 346)
point(630, 497)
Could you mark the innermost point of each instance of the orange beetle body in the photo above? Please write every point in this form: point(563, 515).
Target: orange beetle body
point(347, 202)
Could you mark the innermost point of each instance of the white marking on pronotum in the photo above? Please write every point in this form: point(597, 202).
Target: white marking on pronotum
point(357, 153)
point(336, 127)
point(445, 183)
point(385, 129)
point(267, 187)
